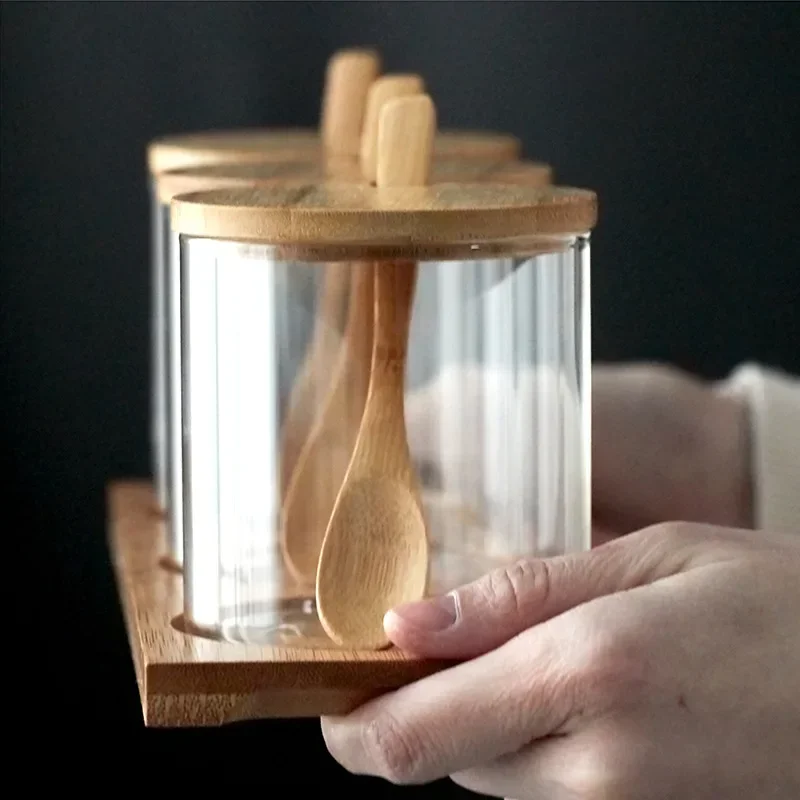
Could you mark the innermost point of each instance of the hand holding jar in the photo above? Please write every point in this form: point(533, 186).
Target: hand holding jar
point(663, 663)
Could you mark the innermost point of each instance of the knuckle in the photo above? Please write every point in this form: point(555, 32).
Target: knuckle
point(393, 749)
point(512, 588)
point(670, 547)
point(606, 770)
point(609, 668)
point(612, 767)
point(673, 534)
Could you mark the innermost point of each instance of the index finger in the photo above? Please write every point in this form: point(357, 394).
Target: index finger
point(466, 715)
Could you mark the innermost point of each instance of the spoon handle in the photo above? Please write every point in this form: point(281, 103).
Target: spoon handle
point(349, 75)
point(395, 283)
point(357, 347)
point(387, 87)
point(311, 381)
point(375, 552)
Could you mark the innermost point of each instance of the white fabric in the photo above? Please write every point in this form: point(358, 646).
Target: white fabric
point(773, 400)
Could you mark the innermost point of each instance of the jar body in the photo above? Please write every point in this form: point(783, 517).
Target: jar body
point(165, 376)
point(174, 426)
point(496, 408)
point(159, 258)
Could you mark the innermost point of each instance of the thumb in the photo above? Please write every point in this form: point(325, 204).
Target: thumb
point(482, 615)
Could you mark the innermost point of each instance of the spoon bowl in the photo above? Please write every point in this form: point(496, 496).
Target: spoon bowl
point(374, 514)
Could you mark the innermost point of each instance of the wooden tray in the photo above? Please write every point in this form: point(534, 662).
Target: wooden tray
point(191, 681)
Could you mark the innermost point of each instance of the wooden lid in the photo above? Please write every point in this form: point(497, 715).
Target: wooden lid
point(364, 219)
point(230, 146)
point(482, 145)
point(295, 144)
point(219, 176)
point(526, 173)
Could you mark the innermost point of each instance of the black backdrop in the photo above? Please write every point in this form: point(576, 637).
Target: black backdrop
point(678, 114)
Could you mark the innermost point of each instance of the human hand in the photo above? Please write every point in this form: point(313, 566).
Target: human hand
point(665, 445)
point(664, 664)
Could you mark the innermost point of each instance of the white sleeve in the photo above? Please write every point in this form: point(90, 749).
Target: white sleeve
point(773, 400)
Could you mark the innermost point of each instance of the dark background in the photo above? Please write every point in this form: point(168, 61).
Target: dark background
point(679, 115)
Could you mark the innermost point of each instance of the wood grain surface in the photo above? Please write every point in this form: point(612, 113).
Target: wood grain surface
point(344, 169)
point(187, 680)
point(341, 213)
point(277, 144)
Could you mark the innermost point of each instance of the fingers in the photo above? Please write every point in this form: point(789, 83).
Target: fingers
point(597, 762)
point(482, 615)
point(553, 678)
point(544, 770)
point(472, 713)
point(614, 757)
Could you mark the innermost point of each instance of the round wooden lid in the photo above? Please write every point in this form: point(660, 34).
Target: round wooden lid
point(294, 144)
point(481, 145)
point(525, 173)
point(342, 215)
point(231, 146)
point(219, 176)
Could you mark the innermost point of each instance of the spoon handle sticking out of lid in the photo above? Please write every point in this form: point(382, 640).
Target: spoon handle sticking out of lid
point(319, 468)
point(325, 455)
point(387, 87)
point(311, 382)
point(349, 76)
point(375, 552)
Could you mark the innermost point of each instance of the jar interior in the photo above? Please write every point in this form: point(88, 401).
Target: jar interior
point(496, 405)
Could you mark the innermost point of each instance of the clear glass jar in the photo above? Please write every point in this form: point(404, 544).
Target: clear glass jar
point(165, 411)
point(159, 404)
point(497, 389)
point(166, 155)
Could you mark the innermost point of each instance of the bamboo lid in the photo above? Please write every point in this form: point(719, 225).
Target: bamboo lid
point(220, 176)
point(296, 144)
point(231, 146)
point(448, 216)
point(483, 145)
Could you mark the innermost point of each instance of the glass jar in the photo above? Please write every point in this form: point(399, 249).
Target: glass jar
point(497, 424)
point(168, 154)
point(166, 280)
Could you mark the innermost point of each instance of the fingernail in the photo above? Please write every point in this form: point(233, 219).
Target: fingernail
point(434, 615)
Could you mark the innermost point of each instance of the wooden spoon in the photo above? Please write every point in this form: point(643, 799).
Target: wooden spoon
point(349, 76)
point(325, 456)
point(375, 552)
point(383, 89)
point(313, 376)
point(319, 469)
point(347, 80)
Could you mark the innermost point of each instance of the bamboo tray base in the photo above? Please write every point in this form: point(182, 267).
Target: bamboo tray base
point(192, 681)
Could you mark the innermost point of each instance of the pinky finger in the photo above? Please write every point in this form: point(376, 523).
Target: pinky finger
point(531, 773)
point(556, 768)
